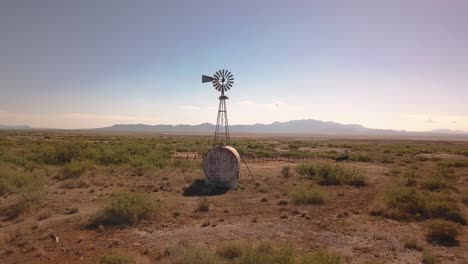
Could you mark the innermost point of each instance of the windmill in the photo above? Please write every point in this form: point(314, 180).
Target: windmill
point(222, 81)
point(221, 164)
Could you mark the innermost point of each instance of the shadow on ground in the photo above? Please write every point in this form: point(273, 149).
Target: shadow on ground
point(198, 188)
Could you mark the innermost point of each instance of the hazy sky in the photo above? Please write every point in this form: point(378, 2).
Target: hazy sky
point(92, 63)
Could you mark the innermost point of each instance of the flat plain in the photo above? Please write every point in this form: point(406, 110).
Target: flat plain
point(83, 197)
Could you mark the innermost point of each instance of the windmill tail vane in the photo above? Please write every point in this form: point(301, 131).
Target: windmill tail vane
point(222, 81)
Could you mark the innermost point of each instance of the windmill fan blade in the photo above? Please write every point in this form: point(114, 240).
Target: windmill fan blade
point(206, 79)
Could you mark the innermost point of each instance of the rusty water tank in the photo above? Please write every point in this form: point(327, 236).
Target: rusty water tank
point(221, 166)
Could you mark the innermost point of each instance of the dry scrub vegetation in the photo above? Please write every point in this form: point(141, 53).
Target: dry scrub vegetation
point(116, 198)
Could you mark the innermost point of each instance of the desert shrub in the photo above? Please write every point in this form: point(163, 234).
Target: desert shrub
point(442, 232)
point(409, 203)
point(203, 205)
point(265, 254)
point(465, 198)
point(360, 158)
point(125, 208)
point(406, 203)
point(114, 258)
point(445, 208)
point(186, 164)
point(230, 251)
point(75, 169)
point(412, 244)
point(436, 183)
point(429, 258)
point(326, 173)
point(313, 195)
point(57, 153)
point(354, 177)
point(286, 171)
point(190, 254)
point(453, 163)
point(321, 257)
point(74, 183)
point(13, 180)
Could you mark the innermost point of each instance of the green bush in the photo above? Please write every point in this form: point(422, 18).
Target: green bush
point(326, 173)
point(442, 232)
point(305, 196)
point(114, 258)
point(125, 208)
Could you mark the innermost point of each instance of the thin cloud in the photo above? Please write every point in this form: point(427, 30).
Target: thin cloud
point(264, 106)
point(190, 107)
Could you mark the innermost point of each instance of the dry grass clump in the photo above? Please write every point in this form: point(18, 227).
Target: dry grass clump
point(203, 205)
point(321, 257)
point(326, 173)
point(413, 244)
point(230, 251)
point(465, 198)
point(114, 258)
point(242, 253)
point(305, 196)
point(436, 183)
point(189, 254)
point(125, 208)
point(428, 258)
point(442, 232)
point(286, 171)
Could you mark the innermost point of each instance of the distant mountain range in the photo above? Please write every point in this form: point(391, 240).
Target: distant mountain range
point(304, 126)
point(14, 127)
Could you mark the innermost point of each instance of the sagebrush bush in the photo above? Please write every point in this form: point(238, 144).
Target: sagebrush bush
point(326, 173)
point(314, 195)
point(125, 208)
point(442, 232)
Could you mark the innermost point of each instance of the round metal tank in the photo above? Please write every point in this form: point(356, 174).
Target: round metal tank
point(221, 166)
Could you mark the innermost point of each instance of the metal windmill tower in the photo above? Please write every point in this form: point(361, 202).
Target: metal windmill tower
point(222, 81)
point(221, 164)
